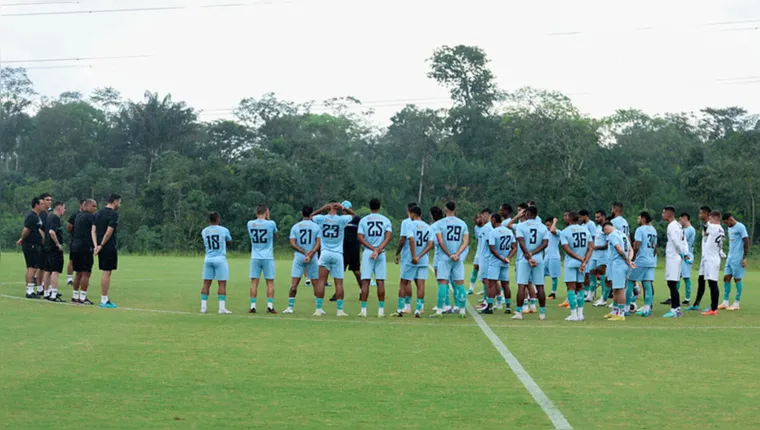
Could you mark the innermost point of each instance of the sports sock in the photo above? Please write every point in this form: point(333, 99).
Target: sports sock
point(649, 300)
point(408, 300)
point(400, 304)
point(489, 300)
point(103, 299)
point(678, 285)
point(291, 302)
point(700, 290)
point(319, 302)
point(726, 290)
point(572, 300)
point(554, 285)
point(542, 310)
point(474, 276)
point(270, 302)
point(364, 306)
point(592, 285)
point(675, 295)
point(75, 295)
point(443, 293)
point(533, 303)
point(605, 288)
point(69, 279)
point(460, 295)
point(339, 304)
point(204, 300)
point(580, 298)
point(419, 305)
point(54, 292)
point(222, 301)
point(739, 289)
point(508, 302)
point(40, 288)
point(714, 295)
point(499, 300)
point(82, 295)
point(447, 298)
point(629, 293)
point(253, 302)
point(381, 305)
point(687, 288)
point(29, 288)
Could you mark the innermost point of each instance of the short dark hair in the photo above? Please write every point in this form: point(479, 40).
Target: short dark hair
point(451, 206)
point(669, 208)
point(35, 202)
point(532, 210)
point(602, 213)
point(416, 210)
point(374, 204)
point(81, 201)
point(531, 202)
point(56, 204)
point(43, 196)
point(436, 212)
point(486, 210)
point(727, 215)
point(617, 205)
point(261, 209)
point(705, 209)
point(306, 211)
point(496, 217)
point(583, 212)
point(647, 217)
point(548, 219)
point(685, 215)
point(507, 207)
point(213, 217)
point(573, 216)
point(715, 214)
point(522, 205)
point(113, 197)
point(607, 223)
point(410, 205)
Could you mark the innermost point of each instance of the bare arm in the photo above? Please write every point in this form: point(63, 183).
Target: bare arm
point(69, 227)
point(544, 245)
point(24, 234)
point(426, 250)
point(439, 238)
point(746, 248)
point(320, 210)
point(294, 245)
point(317, 246)
point(463, 246)
point(94, 237)
point(364, 242)
point(388, 237)
point(521, 244)
point(412, 249)
point(107, 236)
point(55, 238)
point(570, 252)
point(553, 228)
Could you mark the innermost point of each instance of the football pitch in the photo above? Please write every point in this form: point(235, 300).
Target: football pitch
point(157, 363)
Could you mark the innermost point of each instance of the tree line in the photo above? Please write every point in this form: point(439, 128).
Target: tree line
point(492, 146)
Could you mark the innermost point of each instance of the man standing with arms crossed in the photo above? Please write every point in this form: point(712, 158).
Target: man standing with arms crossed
point(738, 249)
point(106, 222)
point(375, 232)
point(675, 253)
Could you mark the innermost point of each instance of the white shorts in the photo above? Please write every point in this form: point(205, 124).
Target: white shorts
point(673, 269)
point(710, 269)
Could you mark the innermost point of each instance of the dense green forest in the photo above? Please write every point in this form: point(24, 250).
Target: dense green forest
point(491, 146)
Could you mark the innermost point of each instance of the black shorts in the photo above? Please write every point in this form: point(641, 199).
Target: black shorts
point(82, 261)
point(108, 259)
point(352, 259)
point(54, 261)
point(33, 255)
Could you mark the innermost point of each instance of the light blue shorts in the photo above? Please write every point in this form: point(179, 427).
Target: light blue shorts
point(596, 263)
point(333, 262)
point(527, 274)
point(573, 274)
point(735, 269)
point(686, 269)
point(216, 269)
point(476, 260)
point(552, 267)
point(370, 266)
point(411, 272)
point(259, 266)
point(618, 274)
point(312, 267)
point(498, 272)
point(451, 269)
point(641, 274)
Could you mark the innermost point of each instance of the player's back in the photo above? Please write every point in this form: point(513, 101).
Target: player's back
point(647, 235)
point(483, 235)
point(691, 234)
point(215, 238)
point(453, 230)
point(420, 232)
point(617, 238)
point(532, 232)
point(577, 238)
point(374, 227)
point(591, 227)
point(305, 234)
point(736, 234)
point(261, 232)
point(331, 231)
point(552, 251)
point(600, 239)
point(502, 239)
point(621, 225)
point(712, 242)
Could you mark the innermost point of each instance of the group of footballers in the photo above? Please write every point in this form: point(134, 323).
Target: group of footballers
point(597, 252)
point(92, 232)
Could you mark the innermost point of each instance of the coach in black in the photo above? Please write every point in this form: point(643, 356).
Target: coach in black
point(31, 243)
point(106, 221)
point(82, 245)
point(54, 252)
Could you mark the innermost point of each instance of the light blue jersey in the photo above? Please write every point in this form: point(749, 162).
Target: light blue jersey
point(483, 235)
point(261, 232)
point(691, 234)
point(331, 230)
point(420, 231)
point(502, 239)
point(305, 233)
point(533, 233)
point(736, 235)
point(405, 254)
point(577, 238)
point(601, 256)
point(552, 251)
point(374, 227)
point(621, 225)
point(215, 238)
point(452, 231)
point(433, 231)
point(591, 227)
point(617, 238)
point(647, 235)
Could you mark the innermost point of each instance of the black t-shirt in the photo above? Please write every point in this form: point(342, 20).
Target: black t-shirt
point(53, 223)
point(105, 218)
point(82, 239)
point(34, 224)
point(44, 218)
point(350, 237)
point(72, 218)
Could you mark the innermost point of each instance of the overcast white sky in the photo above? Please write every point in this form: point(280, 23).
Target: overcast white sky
point(655, 55)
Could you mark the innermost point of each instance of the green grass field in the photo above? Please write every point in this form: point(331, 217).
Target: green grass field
point(157, 363)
